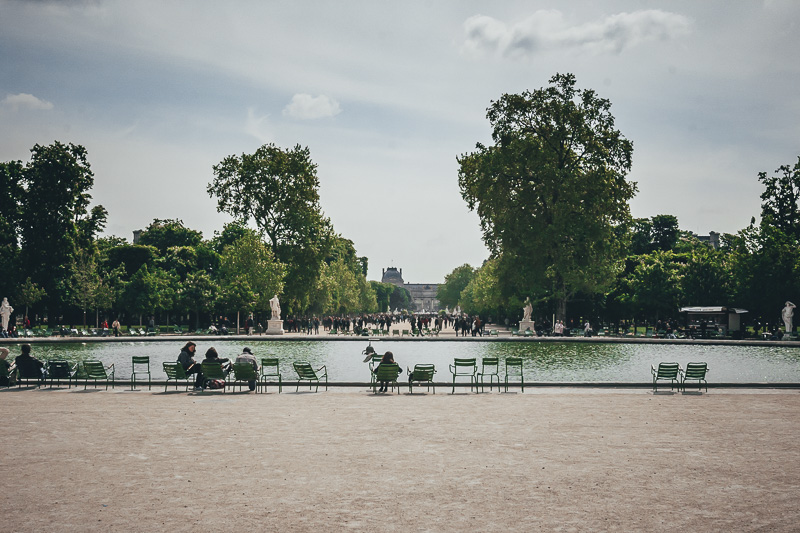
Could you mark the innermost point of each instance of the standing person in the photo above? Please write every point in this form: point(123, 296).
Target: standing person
point(388, 358)
point(190, 366)
point(116, 327)
point(249, 325)
point(247, 357)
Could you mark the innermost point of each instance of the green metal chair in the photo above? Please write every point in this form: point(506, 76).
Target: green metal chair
point(664, 372)
point(270, 368)
point(175, 372)
point(695, 371)
point(95, 371)
point(244, 373)
point(422, 373)
point(141, 366)
point(36, 377)
point(490, 366)
point(214, 371)
point(514, 368)
point(373, 364)
point(59, 370)
point(305, 372)
point(464, 368)
point(387, 372)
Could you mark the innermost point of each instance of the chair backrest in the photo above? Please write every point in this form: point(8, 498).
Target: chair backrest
point(387, 372)
point(513, 363)
point(140, 360)
point(270, 366)
point(174, 371)
point(94, 370)
point(423, 372)
point(459, 362)
point(696, 371)
point(304, 370)
point(244, 371)
point(492, 363)
point(667, 371)
point(213, 371)
point(58, 369)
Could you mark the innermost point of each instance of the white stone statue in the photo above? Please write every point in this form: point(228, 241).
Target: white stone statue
point(5, 313)
point(276, 308)
point(786, 313)
point(527, 310)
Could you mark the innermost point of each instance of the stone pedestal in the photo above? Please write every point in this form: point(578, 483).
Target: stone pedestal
point(274, 327)
point(526, 324)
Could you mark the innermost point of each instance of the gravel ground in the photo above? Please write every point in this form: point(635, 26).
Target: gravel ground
point(348, 460)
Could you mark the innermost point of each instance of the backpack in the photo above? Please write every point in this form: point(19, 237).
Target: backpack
point(215, 384)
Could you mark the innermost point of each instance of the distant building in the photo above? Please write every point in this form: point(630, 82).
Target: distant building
point(423, 295)
point(712, 239)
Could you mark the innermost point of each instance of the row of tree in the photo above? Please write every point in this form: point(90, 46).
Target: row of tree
point(52, 258)
point(552, 196)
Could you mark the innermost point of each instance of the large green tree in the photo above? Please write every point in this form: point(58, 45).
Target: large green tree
point(551, 191)
point(56, 220)
point(278, 189)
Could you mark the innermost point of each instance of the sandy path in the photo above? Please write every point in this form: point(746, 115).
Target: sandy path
point(550, 460)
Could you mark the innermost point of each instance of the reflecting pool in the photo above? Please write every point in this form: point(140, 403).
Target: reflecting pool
point(543, 362)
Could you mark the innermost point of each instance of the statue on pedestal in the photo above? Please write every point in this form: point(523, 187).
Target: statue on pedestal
point(527, 310)
point(5, 313)
point(275, 305)
point(786, 313)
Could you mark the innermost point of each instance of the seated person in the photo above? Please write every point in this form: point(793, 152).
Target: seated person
point(190, 366)
point(388, 358)
point(248, 357)
point(6, 368)
point(28, 366)
point(213, 357)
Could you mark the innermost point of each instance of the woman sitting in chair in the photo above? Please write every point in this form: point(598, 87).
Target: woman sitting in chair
point(388, 358)
point(213, 357)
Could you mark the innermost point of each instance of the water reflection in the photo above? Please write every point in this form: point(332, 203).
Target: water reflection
point(544, 362)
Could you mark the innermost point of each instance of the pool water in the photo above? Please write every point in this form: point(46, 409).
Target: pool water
point(543, 362)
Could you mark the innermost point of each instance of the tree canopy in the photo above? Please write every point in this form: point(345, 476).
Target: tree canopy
point(551, 192)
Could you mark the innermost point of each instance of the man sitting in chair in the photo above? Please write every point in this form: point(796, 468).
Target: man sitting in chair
point(248, 357)
point(29, 366)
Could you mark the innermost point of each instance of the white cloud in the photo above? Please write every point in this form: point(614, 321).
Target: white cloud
point(305, 107)
point(547, 30)
point(25, 100)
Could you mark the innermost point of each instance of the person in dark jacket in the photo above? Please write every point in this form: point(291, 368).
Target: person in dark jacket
point(29, 366)
point(190, 366)
point(388, 358)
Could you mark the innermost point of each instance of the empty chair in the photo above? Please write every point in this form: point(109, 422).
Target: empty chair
point(305, 372)
point(695, 371)
point(666, 371)
point(490, 366)
point(422, 373)
point(270, 368)
point(141, 366)
point(464, 368)
point(58, 370)
point(514, 368)
point(95, 370)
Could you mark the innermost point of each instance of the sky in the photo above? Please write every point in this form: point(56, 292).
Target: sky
point(387, 95)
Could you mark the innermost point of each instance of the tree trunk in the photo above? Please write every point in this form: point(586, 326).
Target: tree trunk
point(237, 322)
point(561, 309)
